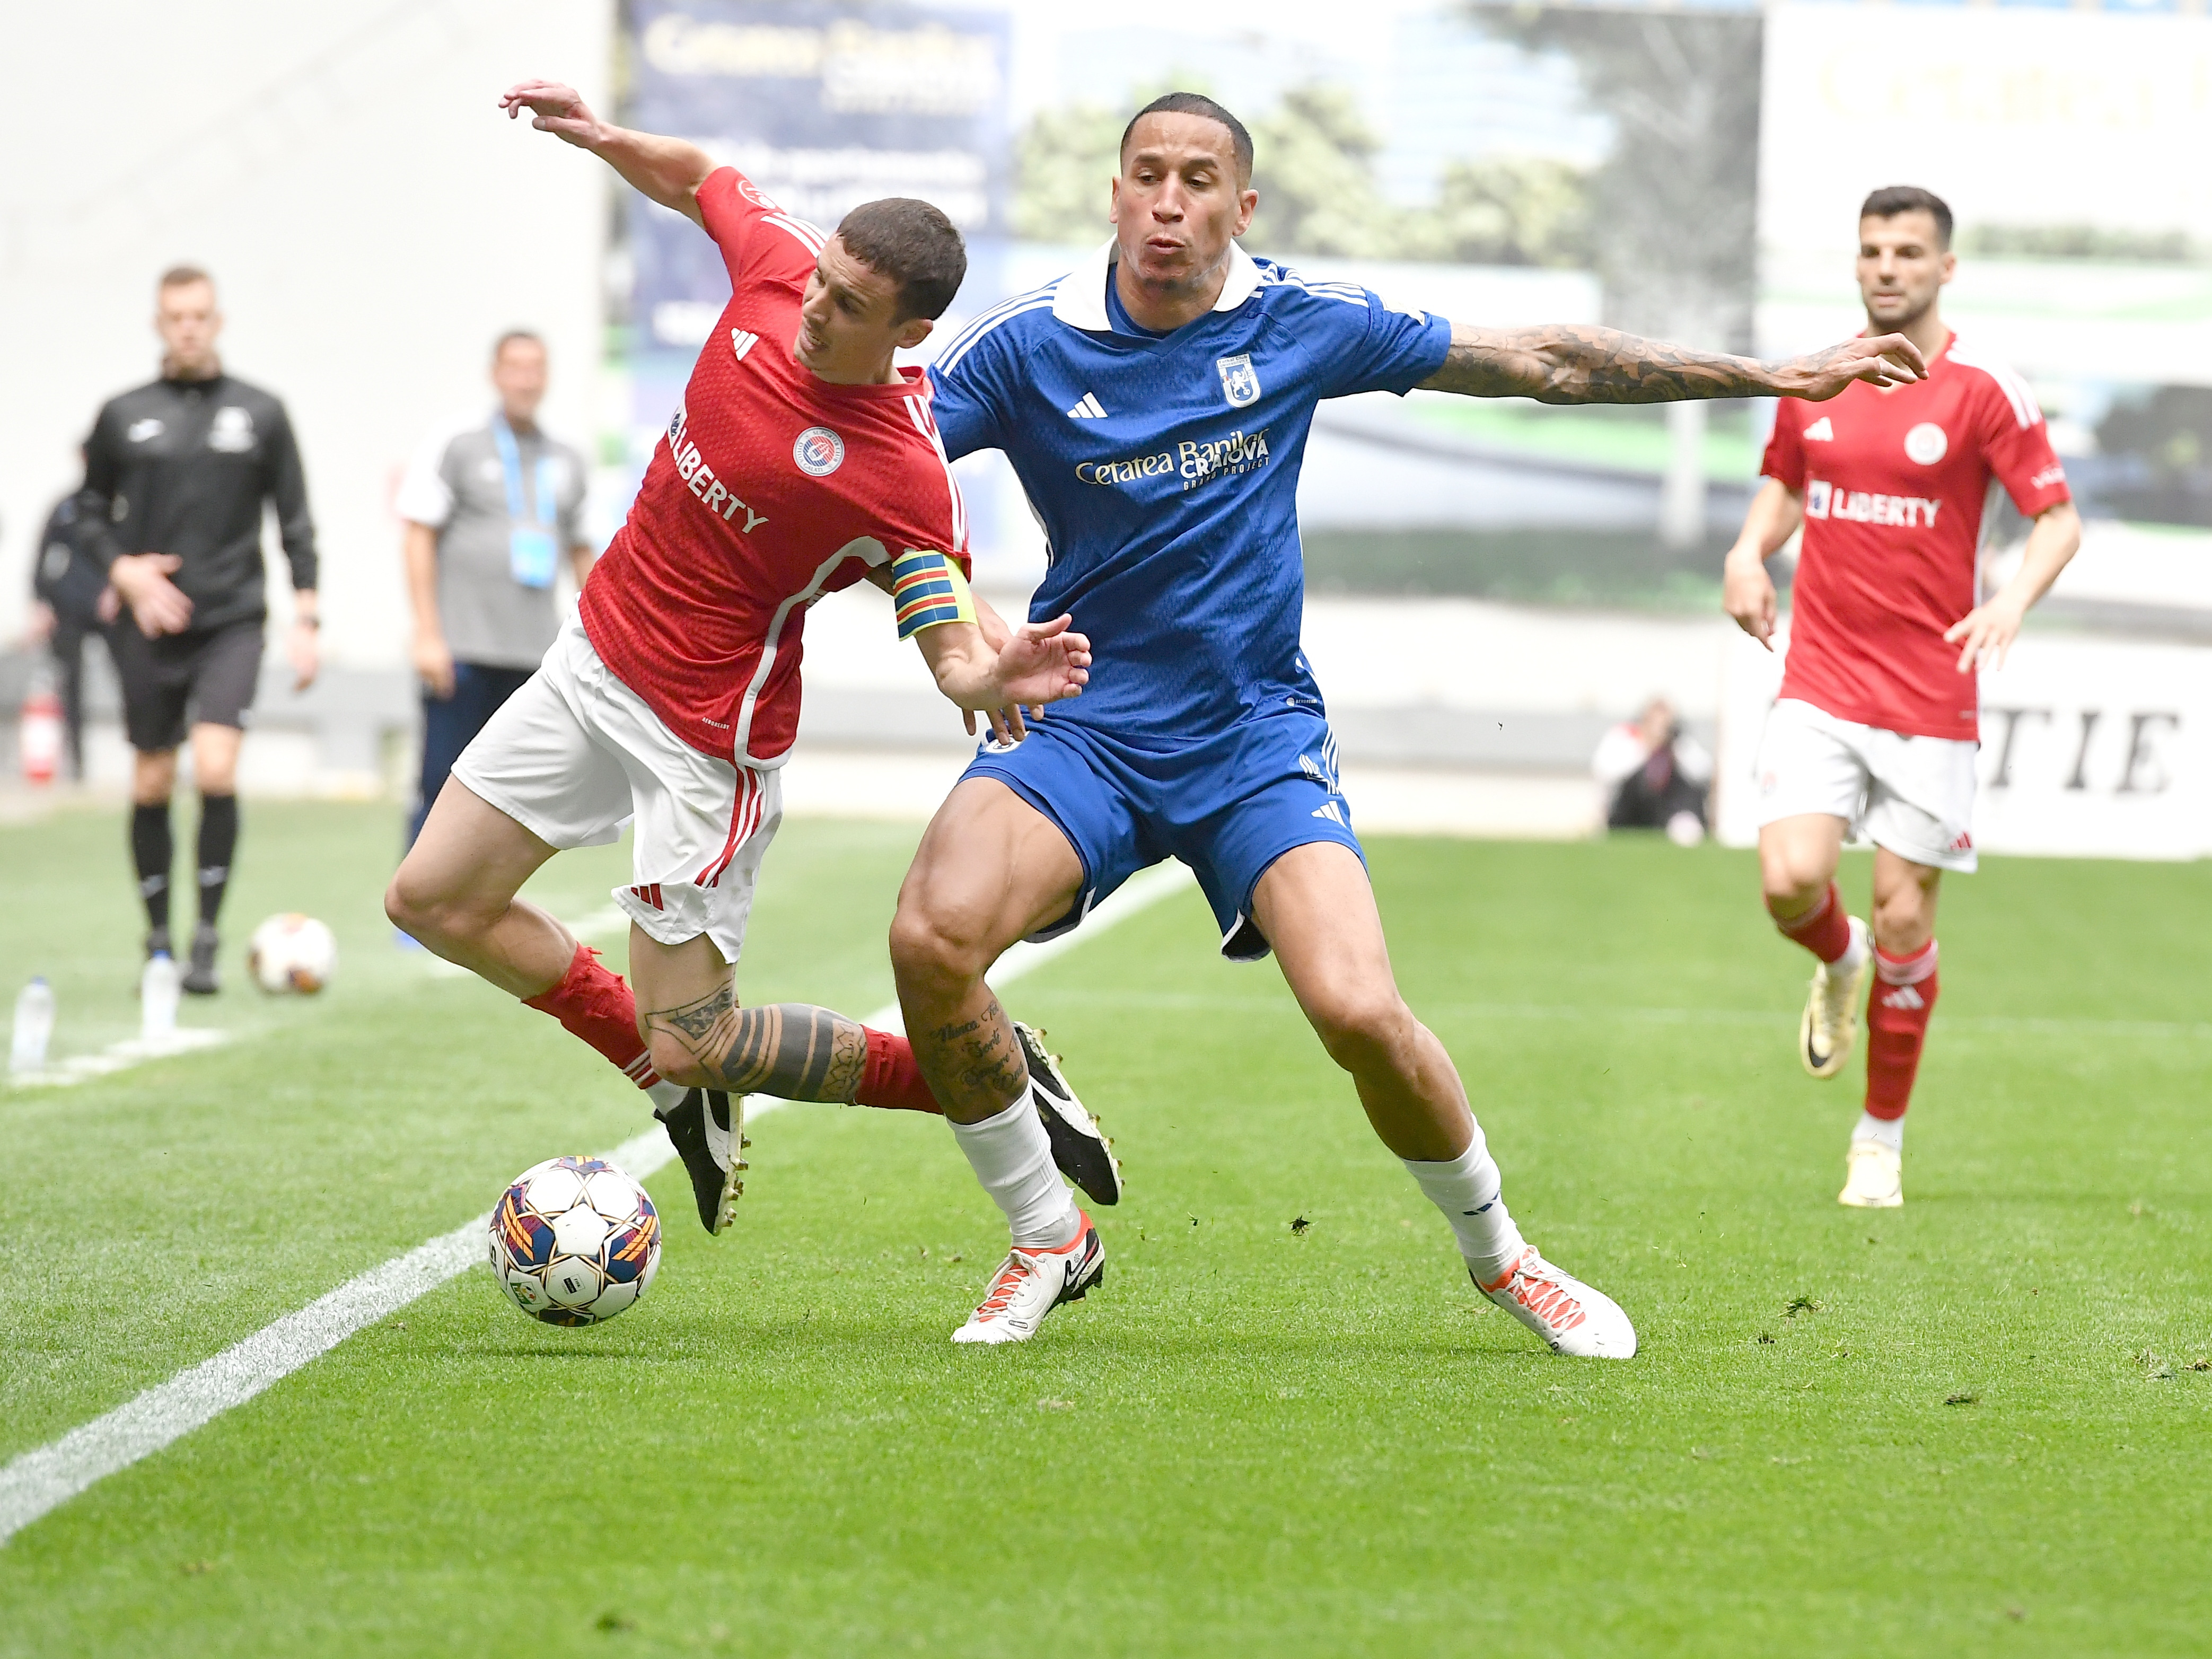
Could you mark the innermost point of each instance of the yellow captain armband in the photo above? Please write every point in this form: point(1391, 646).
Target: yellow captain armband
point(928, 590)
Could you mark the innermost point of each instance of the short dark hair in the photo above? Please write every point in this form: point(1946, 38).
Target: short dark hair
point(915, 245)
point(184, 276)
point(1892, 199)
point(1197, 103)
point(514, 334)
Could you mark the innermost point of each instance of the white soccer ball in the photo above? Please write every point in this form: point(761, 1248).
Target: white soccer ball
point(292, 953)
point(574, 1241)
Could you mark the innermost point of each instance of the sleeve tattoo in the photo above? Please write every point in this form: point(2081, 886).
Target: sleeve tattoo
point(1561, 363)
point(790, 1050)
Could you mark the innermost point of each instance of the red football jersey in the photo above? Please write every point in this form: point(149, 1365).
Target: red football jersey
point(1894, 485)
point(770, 488)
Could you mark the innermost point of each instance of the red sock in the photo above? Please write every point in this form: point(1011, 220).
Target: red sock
point(1825, 930)
point(598, 1007)
point(1897, 1024)
point(891, 1079)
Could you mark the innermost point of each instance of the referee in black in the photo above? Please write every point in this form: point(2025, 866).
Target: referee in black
point(175, 474)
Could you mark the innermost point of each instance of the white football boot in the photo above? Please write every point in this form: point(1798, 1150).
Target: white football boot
point(1079, 1148)
point(1831, 1025)
point(1030, 1283)
point(1571, 1317)
point(1874, 1178)
point(708, 1129)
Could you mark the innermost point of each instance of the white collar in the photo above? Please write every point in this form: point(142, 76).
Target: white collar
point(1080, 299)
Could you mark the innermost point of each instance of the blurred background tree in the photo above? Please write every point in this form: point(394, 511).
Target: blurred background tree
point(1316, 173)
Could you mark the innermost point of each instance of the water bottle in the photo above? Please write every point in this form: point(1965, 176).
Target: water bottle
point(34, 1026)
point(158, 990)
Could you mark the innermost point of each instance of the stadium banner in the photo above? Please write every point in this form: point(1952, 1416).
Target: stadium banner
point(823, 104)
point(2092, 747)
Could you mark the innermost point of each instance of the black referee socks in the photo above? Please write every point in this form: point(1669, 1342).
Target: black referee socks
point(151, 850)
point(218, 842)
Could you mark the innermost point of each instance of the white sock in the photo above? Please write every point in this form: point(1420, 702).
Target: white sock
point(1472, 1196)
point(1889, 1131)
point(1854, 954)
point(1012, 1157)
point(666, 1096)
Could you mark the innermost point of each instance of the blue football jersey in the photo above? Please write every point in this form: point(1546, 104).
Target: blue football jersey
point(1165, 469)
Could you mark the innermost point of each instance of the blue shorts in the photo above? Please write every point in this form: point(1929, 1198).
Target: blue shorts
point(1228, 805)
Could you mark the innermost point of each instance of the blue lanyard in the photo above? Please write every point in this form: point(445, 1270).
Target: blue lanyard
point(510, 455)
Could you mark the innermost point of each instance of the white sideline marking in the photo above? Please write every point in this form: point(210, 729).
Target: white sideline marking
point(41, 1480)
point(119, 1057)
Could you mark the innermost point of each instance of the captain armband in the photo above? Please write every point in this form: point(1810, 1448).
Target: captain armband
point(928, 590)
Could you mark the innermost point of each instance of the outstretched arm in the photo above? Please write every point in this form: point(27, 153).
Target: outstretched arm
point(666, 170)
point(1571, 363)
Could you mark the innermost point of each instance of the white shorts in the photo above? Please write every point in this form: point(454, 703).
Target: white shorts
point(1912, 795)
point(575, 753)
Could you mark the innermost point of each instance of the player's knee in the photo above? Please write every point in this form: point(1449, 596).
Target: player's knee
point(932, 950)
point(676, 1063)
point(152, 777)
point(405, 905)
point(1363, 1030)
point(1903, 921)
point(1792, 877)
point(421, 910)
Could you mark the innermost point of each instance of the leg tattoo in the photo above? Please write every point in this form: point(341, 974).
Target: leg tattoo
point(790, 1050)
point(976, 1062)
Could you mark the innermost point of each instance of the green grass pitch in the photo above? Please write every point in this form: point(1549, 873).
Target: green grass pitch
point(1970, 1426)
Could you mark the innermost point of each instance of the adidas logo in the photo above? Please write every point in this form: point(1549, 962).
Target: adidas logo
point(1965, 843)
point(1903, 997)
point(1820, 431)
point(1330, 810)
point(1088, 408)
point(741, 341)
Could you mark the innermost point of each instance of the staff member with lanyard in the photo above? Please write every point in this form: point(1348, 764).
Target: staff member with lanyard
point(489, 506)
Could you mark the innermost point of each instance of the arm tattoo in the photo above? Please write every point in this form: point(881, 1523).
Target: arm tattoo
point(791, 1049)
point(1560, 364)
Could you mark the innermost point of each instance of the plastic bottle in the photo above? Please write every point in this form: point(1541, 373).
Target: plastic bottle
point(158, 991)
point(38, 732)
point(34, 1026)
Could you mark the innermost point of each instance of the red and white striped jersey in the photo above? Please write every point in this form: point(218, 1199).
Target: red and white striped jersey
point(770, 488)
point(1895, 483)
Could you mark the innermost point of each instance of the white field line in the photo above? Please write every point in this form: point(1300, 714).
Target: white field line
point(119, 1057)
point(40, 1480)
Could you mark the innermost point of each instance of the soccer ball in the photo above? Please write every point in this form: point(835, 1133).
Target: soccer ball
point(574, 1241)
point(292, 952)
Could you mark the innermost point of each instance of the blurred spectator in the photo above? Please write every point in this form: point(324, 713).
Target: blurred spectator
point(1656, 774)
point(71, 602)
point(491, 503)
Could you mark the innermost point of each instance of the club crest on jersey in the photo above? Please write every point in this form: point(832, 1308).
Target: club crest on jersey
point(1927, 443)
point(233, 431)
point(1240, 381)
point(819, 451)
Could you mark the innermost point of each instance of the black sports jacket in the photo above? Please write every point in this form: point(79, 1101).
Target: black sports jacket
point(65, 574)
point(182, 467)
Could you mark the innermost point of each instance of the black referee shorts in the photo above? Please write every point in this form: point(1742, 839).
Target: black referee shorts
point(179, 680)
